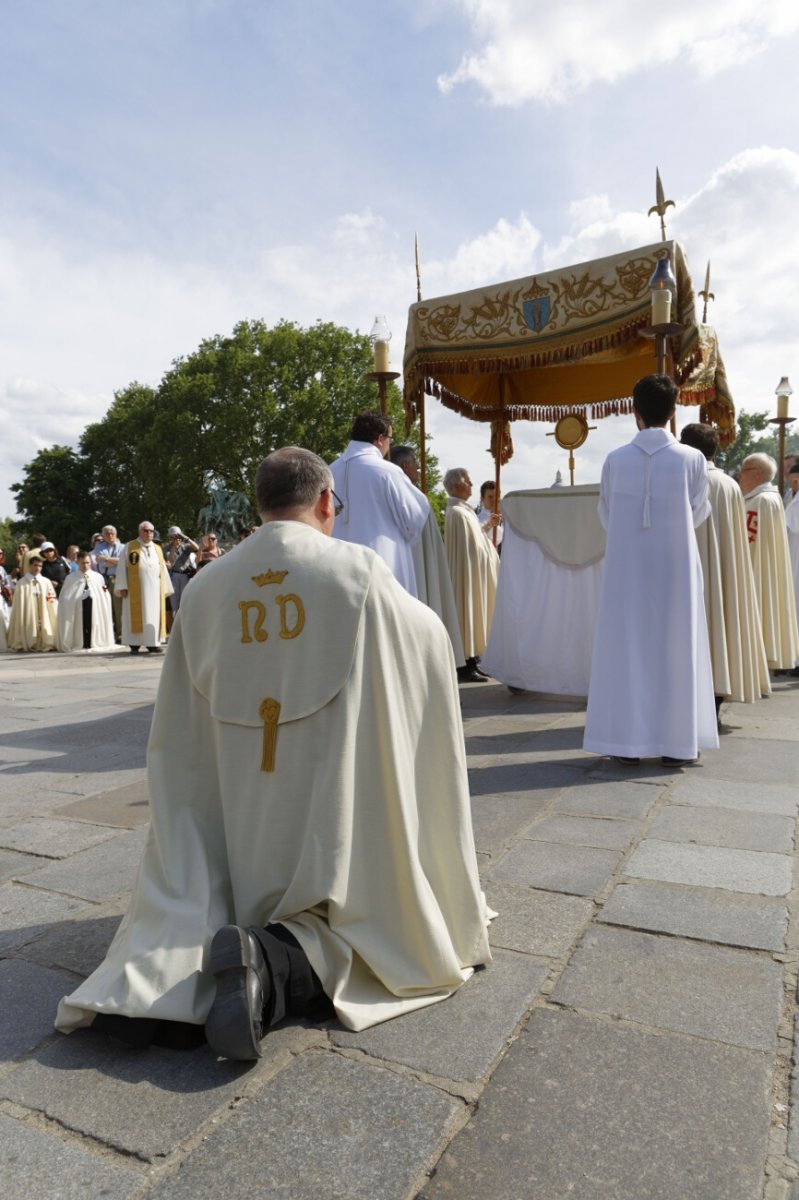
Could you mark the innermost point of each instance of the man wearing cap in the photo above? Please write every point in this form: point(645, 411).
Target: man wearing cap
point(143, 585)
point(180, 562)
point(311, 848)
point(33, 611)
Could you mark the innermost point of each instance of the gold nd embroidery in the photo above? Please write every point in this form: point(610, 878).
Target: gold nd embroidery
point(269, 712)
point(269, 577)
point(299, 615)
point(260, 616)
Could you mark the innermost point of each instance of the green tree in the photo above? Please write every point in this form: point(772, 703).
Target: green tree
point(55, 497)
point(747, 442)
point(124, 463)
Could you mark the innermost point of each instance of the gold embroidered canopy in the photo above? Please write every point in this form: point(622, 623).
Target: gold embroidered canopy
point(567, 341)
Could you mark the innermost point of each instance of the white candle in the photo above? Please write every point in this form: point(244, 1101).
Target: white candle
point(381, 356)
point(661, 307)
point(782, 407)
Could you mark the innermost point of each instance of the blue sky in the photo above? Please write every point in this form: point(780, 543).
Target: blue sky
point(168, 168)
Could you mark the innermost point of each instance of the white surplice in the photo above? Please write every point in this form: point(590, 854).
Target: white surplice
point(473, 567)
point(433, 584)
point(382, 508)
point(771, 564)
point(651, 689)
point(70, 612)
point(351, 826)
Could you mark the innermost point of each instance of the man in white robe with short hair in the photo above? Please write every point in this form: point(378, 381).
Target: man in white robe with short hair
point(771, 560)
point(85, 616)
point(738, 656)
point(311, 848)
point(651, 687)
point(792, 527)
point(380, 506)
point(474, 569)
point(34, 610)
point(143, 584)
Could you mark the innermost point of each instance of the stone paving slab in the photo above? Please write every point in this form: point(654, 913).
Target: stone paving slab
point(458, 1039)
point(29, 995)
point(584, 831)
point(577, 870)
point(143, 1102)
point(724, 827)
point(531, 922)
point(750, 921)
point(36, 1165)
point(731, 793)
point(601, 798)
point(13, 864)
point(521, 778)
point(78, 945)
point(793, 1113)
point(51, 838)
point(710, 991)
point(591, 1110)
point(748, 759)
point(327, 1127)
point(125, 807)
point(97, 873)
point(708, 866)
point(497, 820)
point(26, 912)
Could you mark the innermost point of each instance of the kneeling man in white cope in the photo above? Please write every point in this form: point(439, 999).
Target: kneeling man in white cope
point(311, 850)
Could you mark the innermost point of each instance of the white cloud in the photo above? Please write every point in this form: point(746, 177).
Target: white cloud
point(537, 50)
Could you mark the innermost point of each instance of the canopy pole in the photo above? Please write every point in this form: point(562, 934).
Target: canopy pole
point(498, 455)
point(422, 443)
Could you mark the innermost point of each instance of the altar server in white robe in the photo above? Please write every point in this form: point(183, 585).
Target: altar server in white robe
point(320, 791)
point(771, 560)
point(433, 584)
point(651, 687)
point(143, 584)
point(474, 569)
point(34, 611)
point(737, 653)
point(85, 615)
point(380, 506)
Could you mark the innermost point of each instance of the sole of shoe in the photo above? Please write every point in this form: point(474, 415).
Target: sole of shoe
point(229, 1029)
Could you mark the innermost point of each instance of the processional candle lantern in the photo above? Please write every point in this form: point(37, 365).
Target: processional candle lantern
point(381, 336)
point(783, 391)
point(663, 287)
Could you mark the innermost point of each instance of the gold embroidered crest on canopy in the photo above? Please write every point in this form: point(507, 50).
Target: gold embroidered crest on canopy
point(565, 341)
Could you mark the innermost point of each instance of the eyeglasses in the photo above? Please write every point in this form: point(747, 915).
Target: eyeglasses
point(338, 505)
point(211, 537)
point(146, 530)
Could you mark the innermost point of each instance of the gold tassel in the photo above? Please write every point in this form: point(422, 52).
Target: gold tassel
point(269, 712)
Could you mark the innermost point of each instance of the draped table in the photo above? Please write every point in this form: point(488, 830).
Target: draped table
point(542, 635)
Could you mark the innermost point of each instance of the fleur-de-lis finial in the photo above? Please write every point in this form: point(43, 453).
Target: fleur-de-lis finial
point(662, 204)
point(706, 293)
point(418, 267)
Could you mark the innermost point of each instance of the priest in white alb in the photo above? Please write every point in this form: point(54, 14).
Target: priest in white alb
point(792, 526)
point(85, 615)
point(474, 569)
point(311, 848)
point(34, 610)
point(651, 687)
point(771, 560)
point(143, 584)
point(380, 507)
point(738, 656)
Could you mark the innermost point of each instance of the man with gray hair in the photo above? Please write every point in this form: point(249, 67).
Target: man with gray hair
point(771, 563)
point(473, 567)
point(318, 856)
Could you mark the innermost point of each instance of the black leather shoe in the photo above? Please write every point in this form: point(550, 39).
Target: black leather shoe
point(678, 762)
point(154, 650)
point(134, 649)
point(626, 762)
point(469, 674)
point(234, 1027)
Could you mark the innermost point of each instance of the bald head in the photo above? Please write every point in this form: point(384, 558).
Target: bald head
point(757, 469)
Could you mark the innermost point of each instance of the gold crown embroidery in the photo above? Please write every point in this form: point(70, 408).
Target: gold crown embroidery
point(269, 577)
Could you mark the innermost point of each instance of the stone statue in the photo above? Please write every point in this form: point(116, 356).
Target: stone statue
point(226, 513)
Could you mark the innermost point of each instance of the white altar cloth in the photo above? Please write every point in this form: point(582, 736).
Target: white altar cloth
point(542, 636)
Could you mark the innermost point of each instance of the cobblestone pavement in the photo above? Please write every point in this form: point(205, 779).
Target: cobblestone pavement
point(632, 1040)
